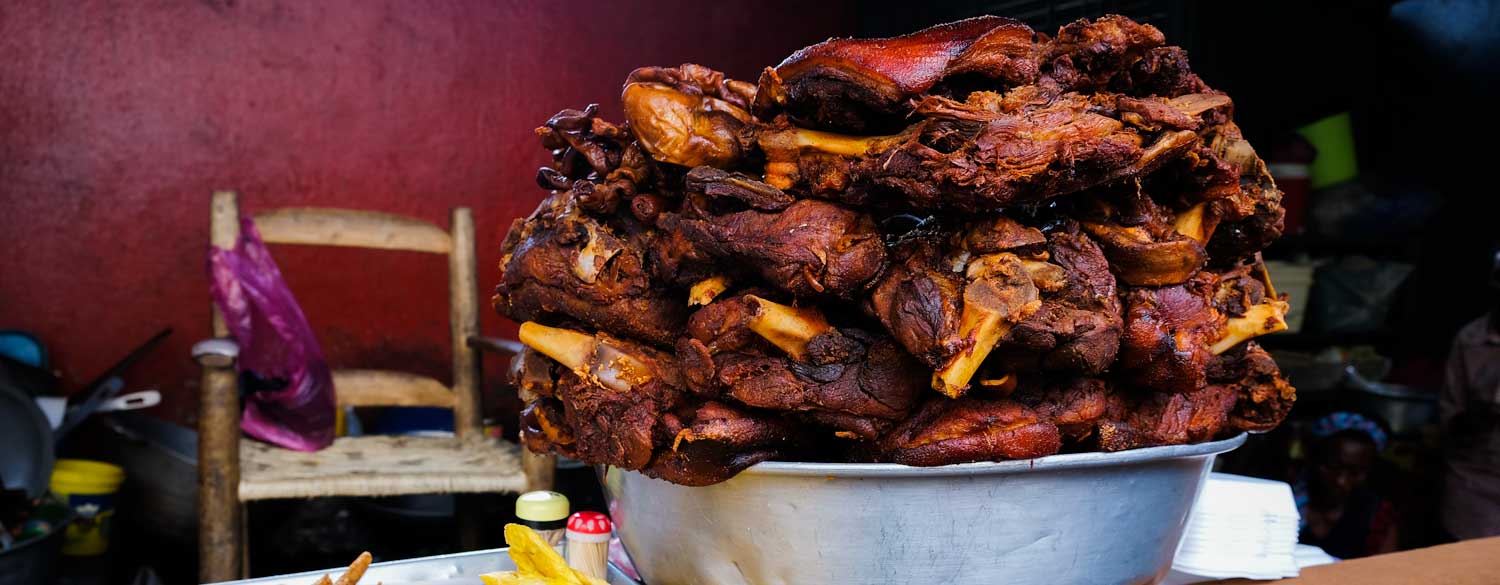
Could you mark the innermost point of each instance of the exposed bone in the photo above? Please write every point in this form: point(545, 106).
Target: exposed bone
point(1195, 104)
point(706, 290)
point(1002, 386)
point(588, 356)
point(783, 147)
point(1047, 277)
point(1265, 274)
point(999, 295)
point(1267, 317)
point(1190, 223)
point(786, 327)
point(593, 256)
point(570, 348)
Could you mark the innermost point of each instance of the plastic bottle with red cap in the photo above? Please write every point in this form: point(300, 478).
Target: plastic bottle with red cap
point(588, 543)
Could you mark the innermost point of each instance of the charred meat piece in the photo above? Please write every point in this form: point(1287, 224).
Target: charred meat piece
point(1253, 217)
point(1074, 404)
point(950, 310)
point(614, 392)
point(1141, 238)
point(1077, 328)
point(863, 85)
point(533, 374)
point(1264, 395)
point(545, 428)
point(561, 263)
point(688, 115)
point(992, 149)
point(919, 300)
point(717, 441)
point(1168, 333)
point(944, 432)
point(1135, 419)
point(1162, 71)
point(1249, 308)
point(990, 152)
point(1088, 54)
point(595, 159)
point(767, 355)
point(807, 247)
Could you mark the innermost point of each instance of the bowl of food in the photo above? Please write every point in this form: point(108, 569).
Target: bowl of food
point(949, 297)
point(1072, 518)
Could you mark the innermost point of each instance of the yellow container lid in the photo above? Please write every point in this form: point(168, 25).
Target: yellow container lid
point(542, 506)
point(84, 476)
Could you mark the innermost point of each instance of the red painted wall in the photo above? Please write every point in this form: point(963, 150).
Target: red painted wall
point(117, 120)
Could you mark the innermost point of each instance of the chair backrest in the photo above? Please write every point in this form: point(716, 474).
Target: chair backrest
point(366, 229)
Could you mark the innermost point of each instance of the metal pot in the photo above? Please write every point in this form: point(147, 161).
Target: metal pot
point(1406, 409)
point(34, 562)
point(1078, 518)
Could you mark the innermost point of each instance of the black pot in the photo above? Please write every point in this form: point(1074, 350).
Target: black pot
point(33, 562)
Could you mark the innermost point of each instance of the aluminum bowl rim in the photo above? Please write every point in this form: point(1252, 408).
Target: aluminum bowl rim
point(1050, 462)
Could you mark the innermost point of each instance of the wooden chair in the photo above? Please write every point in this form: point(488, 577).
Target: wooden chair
point(233, 470)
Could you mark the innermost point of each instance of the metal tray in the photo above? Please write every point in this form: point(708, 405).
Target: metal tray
point(460, 568)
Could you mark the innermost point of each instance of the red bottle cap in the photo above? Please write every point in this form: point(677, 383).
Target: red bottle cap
point(589, 523)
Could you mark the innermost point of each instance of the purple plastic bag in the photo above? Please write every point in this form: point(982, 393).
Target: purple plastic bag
point(275, 343)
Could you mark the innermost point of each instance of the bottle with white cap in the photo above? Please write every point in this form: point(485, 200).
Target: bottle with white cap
point(546, 513)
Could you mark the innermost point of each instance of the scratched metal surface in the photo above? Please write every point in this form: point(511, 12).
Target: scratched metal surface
point(454, 569)
point(1093, 518)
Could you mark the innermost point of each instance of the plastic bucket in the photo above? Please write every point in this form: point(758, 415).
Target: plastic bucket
point(88, 488)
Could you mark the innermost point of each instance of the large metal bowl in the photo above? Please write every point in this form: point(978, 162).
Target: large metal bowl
point(1079, 518)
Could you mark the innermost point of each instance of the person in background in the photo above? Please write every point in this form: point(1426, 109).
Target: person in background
point(1469, 409)
point(1340, 512)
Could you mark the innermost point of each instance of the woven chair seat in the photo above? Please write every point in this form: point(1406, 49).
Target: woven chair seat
point(380, 466)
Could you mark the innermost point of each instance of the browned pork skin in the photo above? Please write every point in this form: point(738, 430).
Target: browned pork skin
point(1141, 260)
point(614, 392)
point(690, 115)
point(1077, 328)
point(1144, 418)
point(865, 86)
point(858, 85)
point(1168, 331)
point(716, 441)
point(807, 248)
point(944, 432)
point(847, 379)
point(950, 319)
point(1265, 396)
point(562, 263)
point(1074, 404)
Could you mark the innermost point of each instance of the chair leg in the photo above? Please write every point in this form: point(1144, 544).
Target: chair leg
point(471, 524)
point(540, 470)
point(244, 540)
point(220, 524)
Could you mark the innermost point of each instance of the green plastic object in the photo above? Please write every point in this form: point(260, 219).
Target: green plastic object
point(1334, 138)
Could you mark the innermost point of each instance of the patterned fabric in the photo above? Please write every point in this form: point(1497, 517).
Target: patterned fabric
point(1343, 421)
